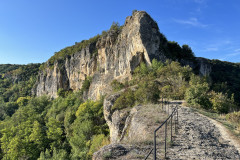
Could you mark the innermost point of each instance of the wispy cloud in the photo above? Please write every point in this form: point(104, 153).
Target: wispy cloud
point(218, 45)
point(191, 21)
point(199, 1)
point(237, 50)
point(231, 55)
point(211, 49)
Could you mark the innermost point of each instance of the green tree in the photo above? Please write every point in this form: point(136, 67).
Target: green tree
point(23, 101)
point(38, 136)
point(221, 103)
point(54, 133)
point(197, 93)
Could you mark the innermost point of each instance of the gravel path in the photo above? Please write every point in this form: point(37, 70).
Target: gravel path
point(200, 138)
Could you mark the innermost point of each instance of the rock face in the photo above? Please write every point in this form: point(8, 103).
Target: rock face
point(131, 124)
point(205, 68)
point(119, 53)
point(67, 74)
point(131, 130)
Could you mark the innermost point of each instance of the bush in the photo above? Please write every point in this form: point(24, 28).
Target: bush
point(126, 100)
point(147, 92)
point(221, 103)
point(233, 117)
point(97, 142)
point(86, 83)
point(117, 86)
point(197, 93)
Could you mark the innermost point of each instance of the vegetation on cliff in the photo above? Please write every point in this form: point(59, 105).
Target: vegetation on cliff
point(78, 46)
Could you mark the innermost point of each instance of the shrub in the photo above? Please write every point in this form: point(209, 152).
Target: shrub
point(61, 92)
point(86, 83)
point(127, 99)
point(221, 103)
point(97, 142)
point(233, 117)
point(117, 86)
point(115, 26)
point(196, 94)
point(147, 92)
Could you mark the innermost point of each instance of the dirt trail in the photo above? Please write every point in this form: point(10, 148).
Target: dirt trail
point(202, 138)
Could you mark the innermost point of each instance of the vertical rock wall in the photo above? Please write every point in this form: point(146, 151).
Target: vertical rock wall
point(119, 53)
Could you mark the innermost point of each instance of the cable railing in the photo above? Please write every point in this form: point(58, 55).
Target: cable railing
point(172, 117)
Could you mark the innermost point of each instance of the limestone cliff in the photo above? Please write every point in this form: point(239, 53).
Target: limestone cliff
point(119, 53)
point(113, 55)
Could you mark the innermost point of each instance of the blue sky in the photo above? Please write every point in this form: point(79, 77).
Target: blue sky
point(31, 31)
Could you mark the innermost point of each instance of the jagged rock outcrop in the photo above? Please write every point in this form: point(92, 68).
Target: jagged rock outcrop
point(205, 68)
point(131, 129)
point(130, 124)
point(119, 53)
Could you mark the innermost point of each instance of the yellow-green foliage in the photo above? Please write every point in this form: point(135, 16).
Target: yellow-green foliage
point(62, 54)
point(233, 117)
point(147, 92)
point(221, 103)
point(97, 142)
point(89, 123)
point(126, 100)
point(86, 83)
point(22, 101)
point(117, 86)
point(172, 78)
point(197, 93)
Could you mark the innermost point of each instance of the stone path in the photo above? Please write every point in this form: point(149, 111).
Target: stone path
point(200, 138)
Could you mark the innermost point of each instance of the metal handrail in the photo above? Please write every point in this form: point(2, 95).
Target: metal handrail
point(174, 112)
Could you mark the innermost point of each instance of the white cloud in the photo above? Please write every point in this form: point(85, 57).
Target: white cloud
point(191, 21)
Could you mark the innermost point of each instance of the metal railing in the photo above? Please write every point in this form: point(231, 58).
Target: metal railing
point(171, 117)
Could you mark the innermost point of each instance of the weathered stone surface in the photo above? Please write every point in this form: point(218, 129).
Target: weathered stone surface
point(119, 53)
point(119, 151)
point(200, 138)
point(131, 125)
point(205, 68)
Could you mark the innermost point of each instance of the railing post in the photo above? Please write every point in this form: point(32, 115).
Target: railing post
point(155, 146)
point(165, 140)
point(168, 107)
point(162, 102)
point(177, 119)
point(171, 128)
